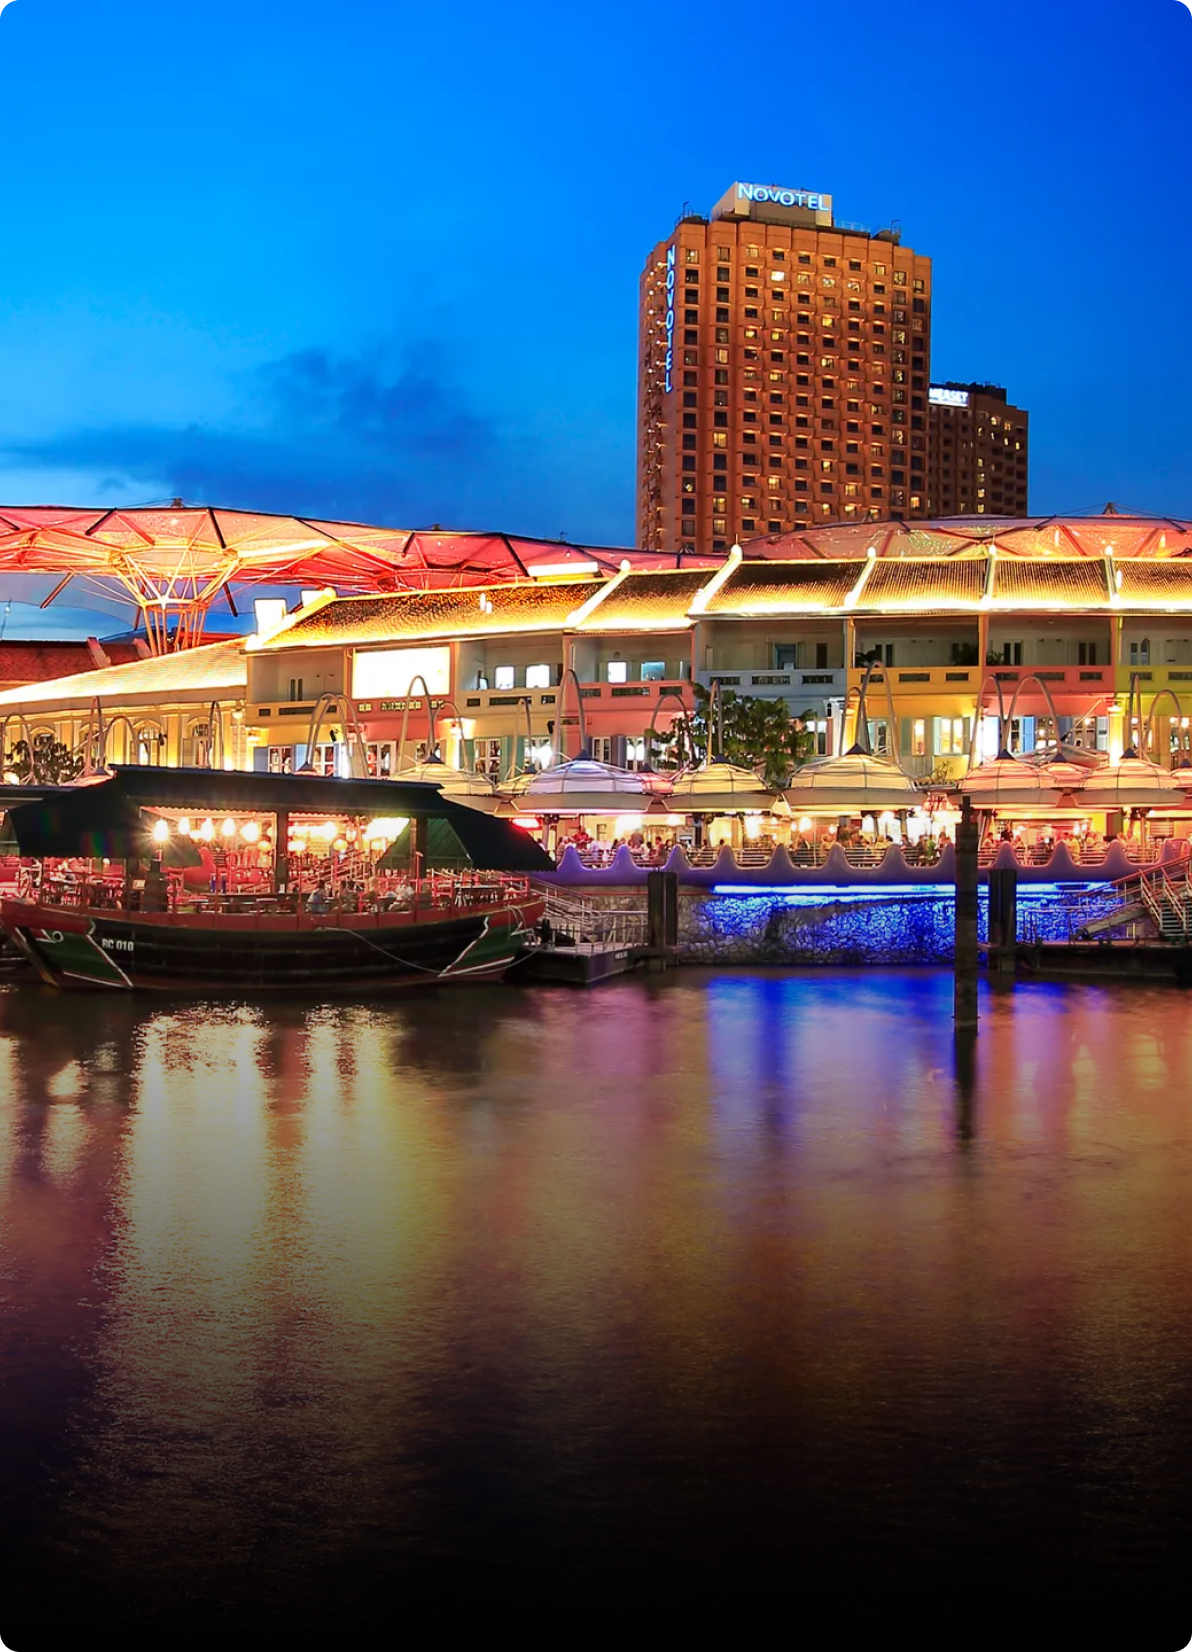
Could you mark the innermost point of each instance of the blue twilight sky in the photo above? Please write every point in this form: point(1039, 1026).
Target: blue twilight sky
point(380, 261)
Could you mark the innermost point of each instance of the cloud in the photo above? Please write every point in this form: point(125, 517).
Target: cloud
point(370, 438)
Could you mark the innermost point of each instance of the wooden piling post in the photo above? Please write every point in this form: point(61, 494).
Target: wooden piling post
point(964, 1000)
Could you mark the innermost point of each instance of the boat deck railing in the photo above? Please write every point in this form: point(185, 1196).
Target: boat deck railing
point(393, 898)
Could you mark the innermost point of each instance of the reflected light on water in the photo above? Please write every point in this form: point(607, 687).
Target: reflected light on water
point(317, 1312)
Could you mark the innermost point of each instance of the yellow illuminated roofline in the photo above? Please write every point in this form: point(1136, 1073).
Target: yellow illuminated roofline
point(699, 603)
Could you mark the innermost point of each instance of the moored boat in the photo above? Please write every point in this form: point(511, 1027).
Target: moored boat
point(443, 895)
point(456, 934)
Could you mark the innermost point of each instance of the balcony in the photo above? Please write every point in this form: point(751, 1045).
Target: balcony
point(1082, 684)
point(906, 680)
point(1151, 678)
point(501, 711)
point(794, 683)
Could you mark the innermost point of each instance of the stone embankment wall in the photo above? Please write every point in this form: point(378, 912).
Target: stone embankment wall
point(873, 929)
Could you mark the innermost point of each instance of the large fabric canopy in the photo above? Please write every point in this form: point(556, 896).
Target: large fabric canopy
point(172, 562)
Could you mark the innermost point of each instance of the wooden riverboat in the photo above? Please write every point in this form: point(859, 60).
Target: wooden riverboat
point(458, 933)
point(449, 900)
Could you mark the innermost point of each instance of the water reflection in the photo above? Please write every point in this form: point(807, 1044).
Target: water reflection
point(752, 1283)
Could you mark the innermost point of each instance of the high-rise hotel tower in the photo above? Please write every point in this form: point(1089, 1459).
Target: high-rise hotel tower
point(784, 365)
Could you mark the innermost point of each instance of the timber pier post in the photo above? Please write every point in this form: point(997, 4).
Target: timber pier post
point(964, 997)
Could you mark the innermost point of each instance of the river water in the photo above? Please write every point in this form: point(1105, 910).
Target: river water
point(702, 1297)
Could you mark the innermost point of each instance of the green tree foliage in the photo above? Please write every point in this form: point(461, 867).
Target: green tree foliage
point(47, 763)
point(753, 733)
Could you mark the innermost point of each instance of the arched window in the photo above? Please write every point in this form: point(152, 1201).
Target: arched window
point(150, 747)
point(196, 746)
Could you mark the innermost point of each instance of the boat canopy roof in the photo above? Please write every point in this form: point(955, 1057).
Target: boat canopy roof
point(102, 817)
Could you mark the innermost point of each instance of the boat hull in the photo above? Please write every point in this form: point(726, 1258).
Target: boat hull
point(94, 949)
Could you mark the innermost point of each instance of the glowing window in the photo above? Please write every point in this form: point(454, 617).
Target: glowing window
point(389, 671)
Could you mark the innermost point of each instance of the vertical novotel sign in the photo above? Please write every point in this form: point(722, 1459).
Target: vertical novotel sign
point(670, 316)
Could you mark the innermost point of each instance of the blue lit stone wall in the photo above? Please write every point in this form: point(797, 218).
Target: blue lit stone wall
point(764, 929)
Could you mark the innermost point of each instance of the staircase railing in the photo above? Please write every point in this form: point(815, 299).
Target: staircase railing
point(591, 921)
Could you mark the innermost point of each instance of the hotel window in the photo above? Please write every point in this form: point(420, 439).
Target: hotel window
point(1140, 652)
point(919, 738)
point(504, 676)
point(691, 255)
point(653, 671)
point(617, 671)
point(538, 676)
point(487, 757)
point(719, 438)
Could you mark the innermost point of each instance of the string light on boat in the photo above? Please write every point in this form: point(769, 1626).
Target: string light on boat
point(228, 828)
point(161, 831)
point(250, 832)
point(207, 830)
point(184, 826)
point(328, 831)
point(387, 830)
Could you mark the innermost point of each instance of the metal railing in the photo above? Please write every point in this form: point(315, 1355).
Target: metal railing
point(589, 921)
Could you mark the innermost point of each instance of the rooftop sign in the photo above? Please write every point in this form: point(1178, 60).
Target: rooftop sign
point(939, 397)
point(776, 202)
point(782, 197)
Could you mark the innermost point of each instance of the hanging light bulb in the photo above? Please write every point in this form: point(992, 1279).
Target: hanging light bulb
point(228, 828)
point(207, 830)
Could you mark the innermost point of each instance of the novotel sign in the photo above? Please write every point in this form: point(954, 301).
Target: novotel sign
point(771, 195)
point(670, 317)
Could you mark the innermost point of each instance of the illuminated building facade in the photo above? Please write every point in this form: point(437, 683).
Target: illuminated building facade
point(783, 371)
point(950, 613)
point(977, 452)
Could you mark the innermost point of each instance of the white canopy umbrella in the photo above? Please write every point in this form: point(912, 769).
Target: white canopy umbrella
point(856, 783)
point(1134, 783)
point(475, 791)
point(1008, 785)
point(583, 786)
point(722, 789)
